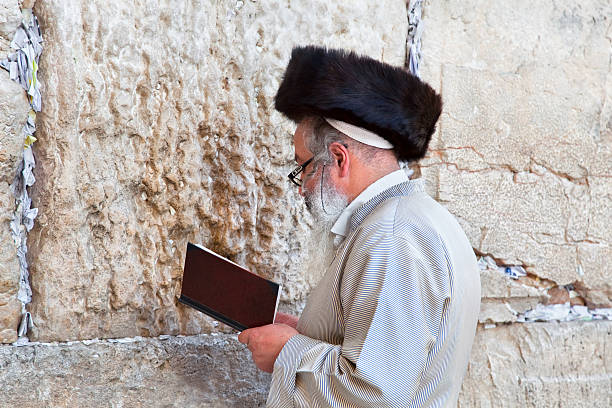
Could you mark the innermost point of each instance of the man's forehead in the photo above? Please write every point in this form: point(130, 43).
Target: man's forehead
point(299, 141)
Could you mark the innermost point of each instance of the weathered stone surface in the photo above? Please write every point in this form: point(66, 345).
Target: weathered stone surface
point(523, 154)
point(10, 307)
point(14, 108)
point(158, 127)
point(504, 298)
point(532, 365)
point(10, 315)
point(10, 17)
point(540, 365)
point(199, 371)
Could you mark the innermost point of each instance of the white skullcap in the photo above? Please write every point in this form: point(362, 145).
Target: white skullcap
point(360, 134)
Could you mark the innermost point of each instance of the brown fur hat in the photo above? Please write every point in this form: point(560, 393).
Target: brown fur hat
point(361, 91)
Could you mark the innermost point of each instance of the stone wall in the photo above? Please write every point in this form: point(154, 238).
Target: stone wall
point(529, 365)
point(167, 371)
point(14, 108)
point(540, 365)
point(523, 155)
point(158, 128)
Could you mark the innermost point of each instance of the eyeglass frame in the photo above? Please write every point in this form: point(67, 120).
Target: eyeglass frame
point(293, 176)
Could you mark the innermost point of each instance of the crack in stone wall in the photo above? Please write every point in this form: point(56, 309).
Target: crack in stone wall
point(543, 187)
point(522, 194)
point(14, 206)
point(416, 27)
point(508, 299)
point(22, 66)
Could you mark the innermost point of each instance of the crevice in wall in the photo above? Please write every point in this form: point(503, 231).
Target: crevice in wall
point(413, 61)
point(22, 66)
point(135, 339)
point(413, 38)
point(556, 303)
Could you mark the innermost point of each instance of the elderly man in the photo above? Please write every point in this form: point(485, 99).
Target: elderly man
point(392, 321)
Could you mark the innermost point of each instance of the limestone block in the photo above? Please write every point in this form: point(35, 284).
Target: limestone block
point(10, 307)
point(496, 285)
point(158, 129)
point(10, 18)
point(506, 36)
point(540, 365)
point(9, 266)
point(503, 298)
point(533, 365)
point(523, 154)
point(199, 371)
point(10, 316)
point(14, 108)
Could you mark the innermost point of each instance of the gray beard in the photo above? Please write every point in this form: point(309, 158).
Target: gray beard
point(321, 252)
point(325, 203)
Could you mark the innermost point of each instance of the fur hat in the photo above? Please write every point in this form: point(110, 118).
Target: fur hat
point(359, 90)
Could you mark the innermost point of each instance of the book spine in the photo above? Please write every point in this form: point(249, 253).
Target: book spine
point(212, 313)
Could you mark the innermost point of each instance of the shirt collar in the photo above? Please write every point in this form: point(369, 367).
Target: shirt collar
point(343, 223)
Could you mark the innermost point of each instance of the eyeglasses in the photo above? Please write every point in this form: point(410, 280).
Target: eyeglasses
point(294, 175)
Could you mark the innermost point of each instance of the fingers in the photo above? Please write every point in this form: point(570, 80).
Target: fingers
point(266, 342)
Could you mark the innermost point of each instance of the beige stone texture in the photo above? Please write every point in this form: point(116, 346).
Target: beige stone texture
point(14, 108)
point(540, 365)
point(10, 316)
point(158, 128)
point(198, 371)
point(503, 298)
point(518, 365)
point(10, 18)
point(10, 307)
point(523, 155)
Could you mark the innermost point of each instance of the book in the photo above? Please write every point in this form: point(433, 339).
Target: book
point(226, 291)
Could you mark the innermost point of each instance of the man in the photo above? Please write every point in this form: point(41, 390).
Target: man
point(392, 321)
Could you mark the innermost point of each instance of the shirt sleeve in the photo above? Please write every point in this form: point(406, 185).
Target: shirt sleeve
point(393, 296)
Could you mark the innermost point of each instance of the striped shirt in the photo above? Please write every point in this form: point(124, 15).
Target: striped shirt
point(342, 225)
point(392, 321)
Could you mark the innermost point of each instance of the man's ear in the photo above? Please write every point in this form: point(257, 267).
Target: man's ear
point(341, 158)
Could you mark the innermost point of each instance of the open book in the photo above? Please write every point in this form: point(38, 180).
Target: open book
point(226, 291)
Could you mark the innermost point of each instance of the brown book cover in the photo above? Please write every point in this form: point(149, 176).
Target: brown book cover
point(226, 291)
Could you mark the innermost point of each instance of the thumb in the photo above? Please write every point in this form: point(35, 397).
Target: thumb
point(243, 337)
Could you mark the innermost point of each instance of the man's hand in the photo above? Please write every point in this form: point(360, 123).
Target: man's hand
point(266, 342)
point(287, 319)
